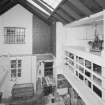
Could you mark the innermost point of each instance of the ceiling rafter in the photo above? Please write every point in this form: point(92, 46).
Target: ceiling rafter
point(42, 5)
point(34, 10)
point(101, 3)
point(81, 7)
point(61, 14)
point(70, 11)
point(75, 9)
point(3, 2)
point(65, 14)
point(59, 18)
point(7, 6)
point(67, 11)
point(54, 19)
point(92, 5)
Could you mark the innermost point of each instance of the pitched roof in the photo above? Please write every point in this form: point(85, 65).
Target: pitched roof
point(65, 11)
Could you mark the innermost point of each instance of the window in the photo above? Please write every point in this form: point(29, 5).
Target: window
point(16, 66)
point(50, 4)
point(14, 35)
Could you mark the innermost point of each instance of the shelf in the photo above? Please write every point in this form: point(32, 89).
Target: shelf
point(81, 61)
point(81, 77)
point(89, 97)
point(97, 91)
point(97, 80)
point(88, 64)
point(88, 83)
point(68, 58)
point(70, 64)
point(81, 51)
point(81, 69)
point(88, 74)
point(97, 69)
point(77, 73)
point(85, 69)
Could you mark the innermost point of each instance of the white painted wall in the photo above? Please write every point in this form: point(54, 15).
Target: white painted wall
point(28, 73)
point(17, 17)
point(80, 35)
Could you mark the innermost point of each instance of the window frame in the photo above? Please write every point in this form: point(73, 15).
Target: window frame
point(17, 67)
point(14, 35)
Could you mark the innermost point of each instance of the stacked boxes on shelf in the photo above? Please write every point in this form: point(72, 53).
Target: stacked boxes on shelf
point(87, 71)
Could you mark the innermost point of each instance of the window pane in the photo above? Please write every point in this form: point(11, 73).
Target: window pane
point(14, 35)
point(19, 74)
point(19, 65)
point(13, 61)
point(19, 70)
point(19, 61)
point(13, 65)
point(16, 68)
point(13, 71)
point(13, 75)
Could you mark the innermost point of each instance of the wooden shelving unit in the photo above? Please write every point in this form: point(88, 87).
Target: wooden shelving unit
point(87, 71)
point(87, 67)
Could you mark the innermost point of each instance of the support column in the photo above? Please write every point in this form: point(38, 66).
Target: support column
point(59, 47)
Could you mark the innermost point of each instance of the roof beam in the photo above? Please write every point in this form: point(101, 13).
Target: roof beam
point(43, 6)
point(7, 6)
point(2, 2)
point(53, 19)
point(70, 11)
point(64, 15)
point(59, 18)
point(101, 3)
point(81, 7)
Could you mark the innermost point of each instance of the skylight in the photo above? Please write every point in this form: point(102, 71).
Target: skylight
point(50, 4)
point(39, 7)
